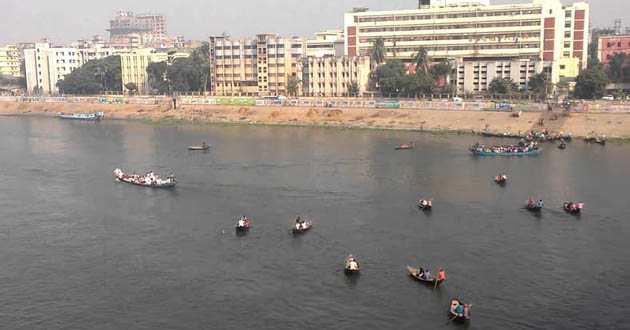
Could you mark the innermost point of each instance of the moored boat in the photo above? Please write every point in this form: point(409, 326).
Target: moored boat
point(404, 146)
point(351, 265)
point(416, 274)
point(301, 227)
point(148, 180)
point(425, 204)
point(459, 312)
point(82, 116)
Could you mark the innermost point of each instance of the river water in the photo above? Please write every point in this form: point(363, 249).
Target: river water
point(81, 251)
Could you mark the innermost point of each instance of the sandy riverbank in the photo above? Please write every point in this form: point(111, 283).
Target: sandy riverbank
point(613, 125)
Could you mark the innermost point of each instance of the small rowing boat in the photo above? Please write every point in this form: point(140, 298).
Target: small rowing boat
point(459, 312)
point(416, 274)
point(202, 147)
point(301, 227)
point(405, 146)
point(573, 208)
point(242, 226)
point(522, 149)
point(351, 265)
point(82, 116)
point(425, 204)
point(148, 180)
point(520, 153)
point(500, 179)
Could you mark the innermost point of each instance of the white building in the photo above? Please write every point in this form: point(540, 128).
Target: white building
point(326, 43)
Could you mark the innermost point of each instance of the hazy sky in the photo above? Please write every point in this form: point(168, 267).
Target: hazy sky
point(67, 20)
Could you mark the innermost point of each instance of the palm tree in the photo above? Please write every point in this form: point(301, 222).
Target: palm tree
point(378, 51)
point(421, 59)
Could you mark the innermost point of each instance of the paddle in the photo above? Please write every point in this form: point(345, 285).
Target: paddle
point(435, 285)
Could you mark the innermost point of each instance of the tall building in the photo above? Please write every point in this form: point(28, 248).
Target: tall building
point(608, 46)
point(331, 76)
point(10, 61)
point(45, 65)
point(474, 30)
point(129, 29)
point(326, 43)
point(134, 65)
point(260, 66)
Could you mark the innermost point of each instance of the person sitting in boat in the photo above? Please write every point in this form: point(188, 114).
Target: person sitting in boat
point(204, 145)
point(299, 223)
point(424, 202)
point(580, 206)
point(420, 273)
point(531, 203)
point(441, 275)
point(540, 203)
point(241, 221)
point(430, 203)
point(459, 310)
point(427, 275)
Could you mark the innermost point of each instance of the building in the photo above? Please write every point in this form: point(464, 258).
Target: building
point(475, 31)
point(260, 66)
point(326, 43)
point(143, 30)
point(10, 61)
point(476, 76)
point(608, 46)
point(45, 65)
point(134, 65)
point(331, 76)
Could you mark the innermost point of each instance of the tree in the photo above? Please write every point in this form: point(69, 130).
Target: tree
point(421, 60)
point(378, 53)
point(293, 83)
point(591, 83)
point(502, 86)
point(353, 89)
point(186, 74)
point(132, 88)
point(388, 78)
point(540, 84)
point(93, 77)
point(440, 72)
point(619, 68)
point(156, 72)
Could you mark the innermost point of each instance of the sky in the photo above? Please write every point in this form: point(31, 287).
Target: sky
point(66, 20)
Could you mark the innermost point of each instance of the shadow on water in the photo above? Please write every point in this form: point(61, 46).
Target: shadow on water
point(350, 279)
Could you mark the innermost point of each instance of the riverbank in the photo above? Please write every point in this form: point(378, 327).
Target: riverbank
point(613, 125)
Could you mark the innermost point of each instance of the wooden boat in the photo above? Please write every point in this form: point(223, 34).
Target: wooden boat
point(242, 229)
point(82, 116)
point(459, 318)
point(525, 153)
point(405, 146)
point(500, 179)
point(533, 208)
point(567, 208)
point(306, 226)
point(202, 147)
point(425, 204)
point(414, 272)
point(150, 180)
point(351, 265)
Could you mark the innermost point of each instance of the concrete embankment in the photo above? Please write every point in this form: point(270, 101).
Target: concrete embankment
point(613, 125)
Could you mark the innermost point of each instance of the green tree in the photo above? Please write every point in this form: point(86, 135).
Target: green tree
point(156, 72)
point(93, 77)
point(619, 68)
point(353, 89)
point(378, 53)
point(540, 84)
point(293, 84)
point(388, 78)
point(421, 60)
point(501, 86)
point(591, 83)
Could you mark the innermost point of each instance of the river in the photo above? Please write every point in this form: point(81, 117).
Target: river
point(79, 250)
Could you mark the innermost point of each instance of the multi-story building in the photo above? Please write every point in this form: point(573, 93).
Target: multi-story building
point(140, 30)
point(332, 76)
point(260, 66)
point(134, 65)
point(10, 61)
point(475, 76)
point(326, 43)
point(46, 65)
point(608, 46)
point(474, 30)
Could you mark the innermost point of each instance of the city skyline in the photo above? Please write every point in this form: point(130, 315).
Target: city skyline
point(87, 19)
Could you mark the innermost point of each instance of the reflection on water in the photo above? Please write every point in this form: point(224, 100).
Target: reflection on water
point(78, 248)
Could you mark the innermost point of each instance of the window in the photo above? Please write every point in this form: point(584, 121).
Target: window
point(567, 44)
point(567, 14)
point(567, 24)
point(567, 54)
point(562, 67)
point(619, 44)
point(567, 34)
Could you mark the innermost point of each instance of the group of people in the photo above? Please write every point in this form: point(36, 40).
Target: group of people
point(243, 222)
point(532, 204)
point(426, 203)
point(574, 207)
point(299, 223)
point(148, 179)
point(425, 274)
point(521, 147)
point(460, 310)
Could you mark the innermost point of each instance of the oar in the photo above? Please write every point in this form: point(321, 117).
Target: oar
point(435, 285)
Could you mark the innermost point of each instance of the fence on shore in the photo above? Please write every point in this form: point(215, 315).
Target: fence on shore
point(321, 102)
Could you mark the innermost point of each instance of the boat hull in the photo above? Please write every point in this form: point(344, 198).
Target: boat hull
point(527, 153)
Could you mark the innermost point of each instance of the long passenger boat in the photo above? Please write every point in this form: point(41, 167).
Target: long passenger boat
point(531, 149)
point(83, 116)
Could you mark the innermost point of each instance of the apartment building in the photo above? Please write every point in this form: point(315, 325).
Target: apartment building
point(476, 76)
point(134, 65)
point(326, 43)
point(143, 30)
point(472, 30)
point(259, 66)
point(608, 46)
point(10, 61)
point(331, 76)
point(45, 65)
